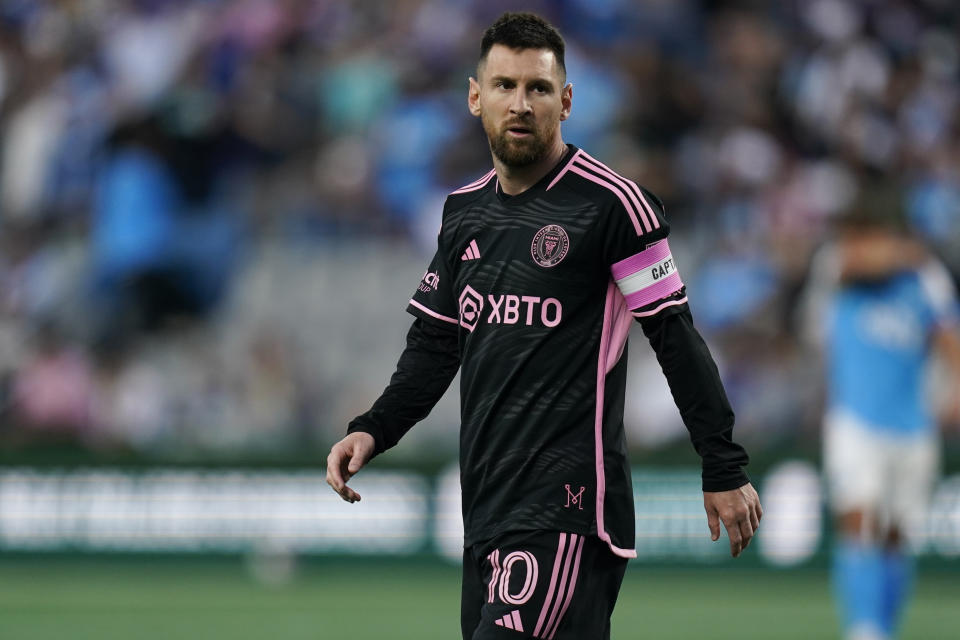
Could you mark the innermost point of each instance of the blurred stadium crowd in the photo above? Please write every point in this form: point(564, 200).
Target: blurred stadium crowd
point(212, 212)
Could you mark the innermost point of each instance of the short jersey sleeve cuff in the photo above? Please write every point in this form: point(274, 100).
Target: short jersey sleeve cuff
point(432, 301)
point(421, 310)
point(649, 280)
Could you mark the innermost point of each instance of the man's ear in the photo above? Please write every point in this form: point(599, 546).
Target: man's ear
point(473, 97)
point(566, 101)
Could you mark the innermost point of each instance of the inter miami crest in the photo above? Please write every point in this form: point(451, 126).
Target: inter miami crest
point(550, 245)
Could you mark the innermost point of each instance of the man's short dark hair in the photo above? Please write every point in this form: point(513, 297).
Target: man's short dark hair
point(524, 31)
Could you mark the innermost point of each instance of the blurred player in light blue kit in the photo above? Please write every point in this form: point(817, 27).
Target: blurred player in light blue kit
point(893, 306)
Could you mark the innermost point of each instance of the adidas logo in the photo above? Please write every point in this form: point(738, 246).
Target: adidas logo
point(510, 621)
point(472, 252)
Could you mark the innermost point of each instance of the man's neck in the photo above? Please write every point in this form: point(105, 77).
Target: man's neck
point(516, 180)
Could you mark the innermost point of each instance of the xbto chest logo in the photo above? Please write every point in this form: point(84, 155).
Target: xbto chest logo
point(507, 309)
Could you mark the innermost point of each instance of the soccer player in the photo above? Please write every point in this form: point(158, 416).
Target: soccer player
point(892, 305)
point(543, 263)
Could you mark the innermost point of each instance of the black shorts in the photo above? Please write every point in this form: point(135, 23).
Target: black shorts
point(539, 584)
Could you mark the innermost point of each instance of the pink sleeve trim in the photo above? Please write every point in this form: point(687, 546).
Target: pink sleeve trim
point(666, 287)
point(477, 184)
point(612, 341)
point(669, 303)
point(433, 313)
point(649, 256)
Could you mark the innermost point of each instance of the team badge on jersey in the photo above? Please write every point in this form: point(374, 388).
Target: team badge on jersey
point(550, 245)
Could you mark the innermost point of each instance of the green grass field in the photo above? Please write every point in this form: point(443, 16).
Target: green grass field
point(147, 599)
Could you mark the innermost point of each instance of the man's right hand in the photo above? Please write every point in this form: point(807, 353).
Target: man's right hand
point(346, 458)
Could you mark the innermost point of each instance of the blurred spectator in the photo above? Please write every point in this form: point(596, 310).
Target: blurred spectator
point(160, 247)
point(52, 390)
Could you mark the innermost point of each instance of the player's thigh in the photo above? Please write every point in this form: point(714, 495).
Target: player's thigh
point(548, 585)
point(854, 464)
point(591, 605)
point(915, 465)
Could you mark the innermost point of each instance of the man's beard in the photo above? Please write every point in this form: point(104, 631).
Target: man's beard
point(517, 152)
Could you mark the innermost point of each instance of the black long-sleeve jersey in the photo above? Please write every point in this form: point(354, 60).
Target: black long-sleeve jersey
point(533, 296)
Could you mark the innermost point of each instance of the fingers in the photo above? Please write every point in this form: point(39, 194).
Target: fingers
point(338, 473)
point(349, 495)
point(746, 533)
point(346, 458)
point(753, 504)
point(357, 461)
point(334, 476)
point(740, 530)
point(755, 515)
point(713, 521)
point(736, 541)
point(740, 512)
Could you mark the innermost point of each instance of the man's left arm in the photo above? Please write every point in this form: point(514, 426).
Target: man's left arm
point(728, 495)
point(642, 265)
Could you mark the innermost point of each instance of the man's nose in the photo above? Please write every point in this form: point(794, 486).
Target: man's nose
point(519, 105)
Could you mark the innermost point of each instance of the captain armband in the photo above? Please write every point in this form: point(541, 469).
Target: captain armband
point(648, 278)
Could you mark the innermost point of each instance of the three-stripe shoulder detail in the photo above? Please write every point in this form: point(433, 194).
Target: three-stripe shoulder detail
point(630, 195)
point(476, 184)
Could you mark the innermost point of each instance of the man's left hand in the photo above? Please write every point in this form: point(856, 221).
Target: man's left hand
point(740, 512)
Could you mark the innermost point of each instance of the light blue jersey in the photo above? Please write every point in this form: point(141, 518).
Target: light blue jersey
point(879, 345)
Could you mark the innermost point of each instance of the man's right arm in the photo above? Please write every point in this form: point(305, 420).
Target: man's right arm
point(426, 367)
point(424, 372)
